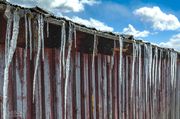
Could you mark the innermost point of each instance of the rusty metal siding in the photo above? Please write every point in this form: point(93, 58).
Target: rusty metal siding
point(95, 90)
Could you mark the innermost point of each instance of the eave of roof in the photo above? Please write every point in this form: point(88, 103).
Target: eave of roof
point(80, 27)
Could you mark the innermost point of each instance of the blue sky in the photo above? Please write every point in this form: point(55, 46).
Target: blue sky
point(155, 21)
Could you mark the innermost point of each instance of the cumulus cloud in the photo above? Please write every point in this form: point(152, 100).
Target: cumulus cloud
point(130, 30)
point(59, 6)
point(62, 5)
point(174, 42)
point(72, 5)
point(160, 20)
point(93, 23)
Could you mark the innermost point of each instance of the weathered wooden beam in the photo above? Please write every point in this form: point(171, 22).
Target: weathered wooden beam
point(98, 33)
point(54, 21)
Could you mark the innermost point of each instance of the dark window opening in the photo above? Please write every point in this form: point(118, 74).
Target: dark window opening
point(85, 42)
point(105, 46)
point(54, 39)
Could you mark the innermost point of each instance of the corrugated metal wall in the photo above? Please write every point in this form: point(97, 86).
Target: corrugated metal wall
point(141, 84)
point(93, 91)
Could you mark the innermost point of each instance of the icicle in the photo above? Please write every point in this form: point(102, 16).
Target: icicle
point(139, 90)
point(75, 37)
point(139, 58)
point(10, 54)
point(113, 56)
point(159, 67)
point(38, 54)
point(133, 79)
point(150, 63)
point(68, 64)
point(42, 36)
point(149, 78)
point(62, 48)
point(133, 67)
point(30, 36)
point(159, 83)
point(61, 55)
point(174, 85)
point(121, 103)
point(155, 67)
point(154, 84)
point(47, 29)
point(173, 66)
point(64, 45)
point(9, 16)
point(26, 21)
point(167, 83)
point(146, 64)
point(120, 74)
point(154, 73)
point(26, 35)
point(25, 59)
point(94, 48)
point(120, 58)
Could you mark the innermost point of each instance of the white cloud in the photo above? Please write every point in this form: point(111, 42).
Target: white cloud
point(174, 42)
point(72, 5)
point(93, 23)
point(62, 5)
point(130, 30)
point(59, 6)
point(160, 20)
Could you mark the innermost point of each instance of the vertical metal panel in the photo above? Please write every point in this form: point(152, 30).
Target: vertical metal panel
point(109, 85)
point(98, 60)
point(178, 92)
point(2, 66)
point(114, 88)
point(86, 87)
point(104, 83)
point(20, 84)
point(58, 85)
point(70, 93)
point(47, 90)
point(93, 91)
point(78, 87)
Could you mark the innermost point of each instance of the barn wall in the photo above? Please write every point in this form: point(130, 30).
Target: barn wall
point(143, 83)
